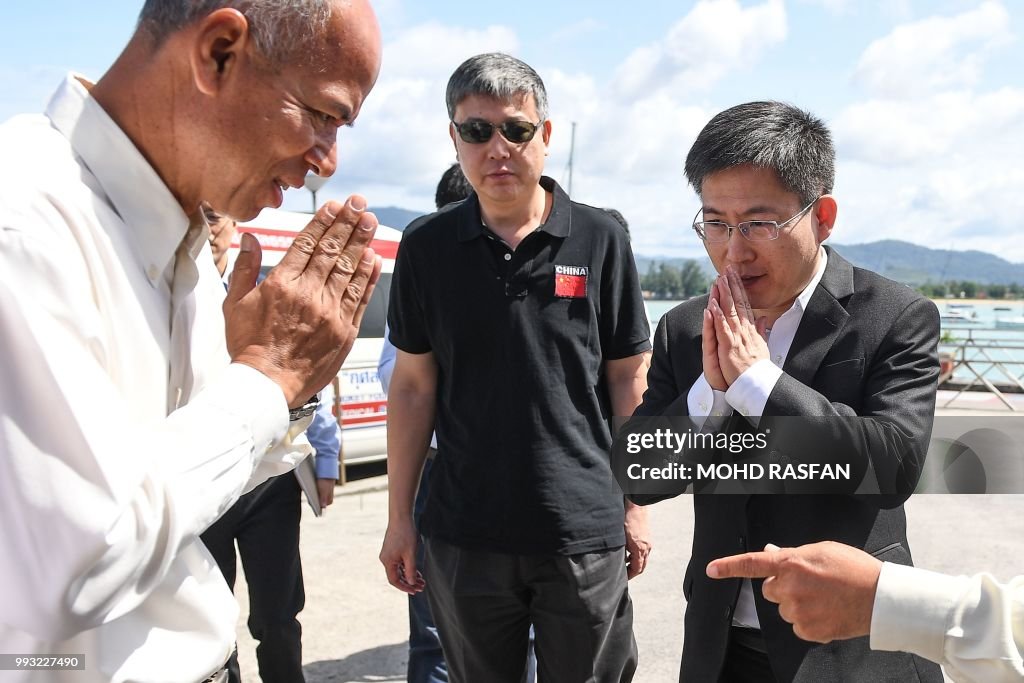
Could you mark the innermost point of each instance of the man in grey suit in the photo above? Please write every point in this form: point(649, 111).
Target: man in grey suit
point(790, 328)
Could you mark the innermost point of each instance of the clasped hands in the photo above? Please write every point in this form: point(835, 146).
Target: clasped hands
point(299, 324)
point(732, 338)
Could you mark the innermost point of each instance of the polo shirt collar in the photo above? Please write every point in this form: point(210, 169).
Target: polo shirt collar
point(155, 220)
point(558, 224)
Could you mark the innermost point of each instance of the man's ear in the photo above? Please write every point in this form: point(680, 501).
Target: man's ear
point(219, 42)
point(825, 213)
point(452, 134)
point(547, 132)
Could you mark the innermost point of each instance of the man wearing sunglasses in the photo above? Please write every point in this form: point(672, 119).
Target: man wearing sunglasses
point(520, 330)
point(790, 328)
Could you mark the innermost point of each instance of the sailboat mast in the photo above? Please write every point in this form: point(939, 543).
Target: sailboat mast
point(572, 149)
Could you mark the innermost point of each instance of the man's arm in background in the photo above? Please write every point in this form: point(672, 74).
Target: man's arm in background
point(627, 382)
point(412, 398)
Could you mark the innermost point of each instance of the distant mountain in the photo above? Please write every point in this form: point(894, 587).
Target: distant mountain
point(916, 265)
point(394, 217)
point(905, 262)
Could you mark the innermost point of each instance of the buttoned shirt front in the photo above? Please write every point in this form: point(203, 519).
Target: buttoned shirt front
point(124, 429)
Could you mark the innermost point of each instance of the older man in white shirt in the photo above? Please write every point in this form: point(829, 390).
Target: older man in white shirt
point(132, 412)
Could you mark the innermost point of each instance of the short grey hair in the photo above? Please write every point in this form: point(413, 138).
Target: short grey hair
point(792, 142)
point(279, 28)
point(496, 75)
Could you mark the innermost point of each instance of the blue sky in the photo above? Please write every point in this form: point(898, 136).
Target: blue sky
point(926, 100)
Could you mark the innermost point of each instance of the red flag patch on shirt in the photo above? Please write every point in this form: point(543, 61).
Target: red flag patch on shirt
point(571, 281)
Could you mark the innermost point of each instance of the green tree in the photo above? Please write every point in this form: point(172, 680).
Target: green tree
point(692, 279)
point(670, 280)
point(970, 289)
point(996, 291)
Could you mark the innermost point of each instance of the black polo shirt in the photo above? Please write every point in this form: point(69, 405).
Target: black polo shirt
point(520, 338)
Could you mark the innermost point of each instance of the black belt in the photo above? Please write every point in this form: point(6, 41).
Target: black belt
point(749, 638)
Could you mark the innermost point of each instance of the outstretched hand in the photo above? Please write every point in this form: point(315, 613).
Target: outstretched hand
point(825, 590)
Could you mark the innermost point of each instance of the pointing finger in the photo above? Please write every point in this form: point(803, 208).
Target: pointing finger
point(748, 566)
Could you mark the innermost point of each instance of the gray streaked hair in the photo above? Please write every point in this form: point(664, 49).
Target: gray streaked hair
point(496, 75)
point(279, 28)
point(792, 142)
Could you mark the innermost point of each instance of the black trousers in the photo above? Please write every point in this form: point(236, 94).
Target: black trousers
point(746, 660)
point(265, 523)
point(483, 604)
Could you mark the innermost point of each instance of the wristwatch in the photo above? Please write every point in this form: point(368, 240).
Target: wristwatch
point(305, 410)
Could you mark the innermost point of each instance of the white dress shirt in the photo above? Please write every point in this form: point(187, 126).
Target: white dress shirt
point(124, 430)
point(748, 396)
point(972, 626)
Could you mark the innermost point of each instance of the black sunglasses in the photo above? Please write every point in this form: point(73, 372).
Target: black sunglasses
point(516, 131)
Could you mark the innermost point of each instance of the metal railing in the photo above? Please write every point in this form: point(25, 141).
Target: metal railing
point(995, 364)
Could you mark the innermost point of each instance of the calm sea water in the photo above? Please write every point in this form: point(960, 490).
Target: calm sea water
point(658, 308)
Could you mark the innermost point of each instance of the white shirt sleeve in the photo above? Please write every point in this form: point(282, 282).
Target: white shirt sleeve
point(749, 393)
point(708, 407)
point(972, 626)
point(97, 498)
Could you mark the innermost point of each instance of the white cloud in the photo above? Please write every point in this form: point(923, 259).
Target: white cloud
point(629, 150)
point(942, 171)
point(433, 50)
point(934, 53)
point(938, 169)
point(714, 38)
point(929, 158)
point(927, 129)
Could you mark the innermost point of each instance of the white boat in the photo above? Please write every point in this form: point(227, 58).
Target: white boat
point(1012, 323)
point(957, 316)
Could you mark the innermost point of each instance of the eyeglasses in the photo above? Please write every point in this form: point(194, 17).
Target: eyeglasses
point(516, 131)
point(755, 231)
